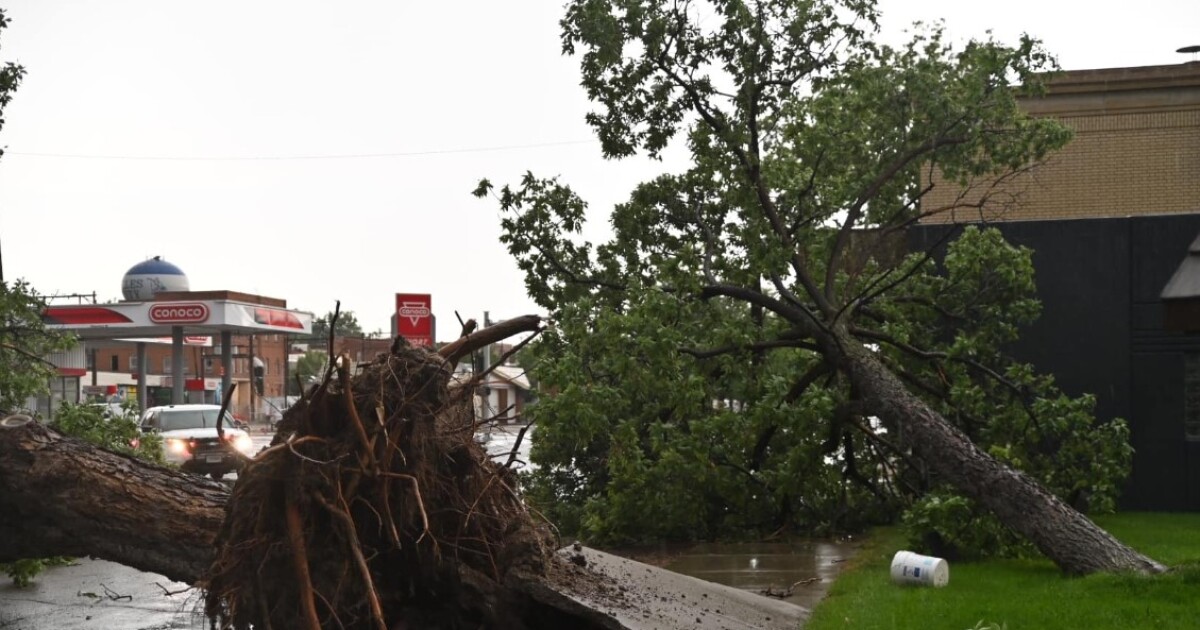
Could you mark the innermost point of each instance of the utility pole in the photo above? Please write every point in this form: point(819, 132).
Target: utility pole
point(287, 354)
point(252, 375)
point(486, 407)
point(487, 350)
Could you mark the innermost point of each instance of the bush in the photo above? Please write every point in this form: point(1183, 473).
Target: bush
point(119, 433)
point(953, 527)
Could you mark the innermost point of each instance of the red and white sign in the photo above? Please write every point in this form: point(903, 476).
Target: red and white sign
point(83, 316)
point(179, 313)
point(142, 321)
point(277, 317)
point(414, 318)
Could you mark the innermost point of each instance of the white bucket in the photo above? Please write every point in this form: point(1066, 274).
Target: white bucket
point(913, 568)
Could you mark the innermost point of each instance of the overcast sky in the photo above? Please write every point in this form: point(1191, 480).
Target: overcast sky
point(322, 151)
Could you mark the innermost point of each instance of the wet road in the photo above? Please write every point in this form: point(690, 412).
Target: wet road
point(807, 568)
point(95, 594)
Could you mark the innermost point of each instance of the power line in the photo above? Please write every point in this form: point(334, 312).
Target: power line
point(270, 158)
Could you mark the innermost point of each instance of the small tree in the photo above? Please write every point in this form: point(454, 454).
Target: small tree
point(309, 369)
point(347, 326)
point(25, 344)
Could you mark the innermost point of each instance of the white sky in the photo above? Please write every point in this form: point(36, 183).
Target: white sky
point(454, 90)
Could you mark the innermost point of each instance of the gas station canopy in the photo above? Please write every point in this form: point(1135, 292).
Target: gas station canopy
point(197, 313)
point(183, 317)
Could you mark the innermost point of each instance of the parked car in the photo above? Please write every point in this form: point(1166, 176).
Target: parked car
point(190, 439)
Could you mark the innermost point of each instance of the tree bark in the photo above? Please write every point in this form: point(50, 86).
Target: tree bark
point(1064, 535)
point(471, 342)
point(62, 497)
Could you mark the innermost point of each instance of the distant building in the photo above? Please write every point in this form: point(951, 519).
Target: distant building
point(123, 343)
point(502, 396)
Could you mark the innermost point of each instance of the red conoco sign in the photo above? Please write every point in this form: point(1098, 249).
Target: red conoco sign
point(414, 318)
point(179, 313)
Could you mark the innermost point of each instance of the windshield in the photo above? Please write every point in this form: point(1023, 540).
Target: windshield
point(177, 419)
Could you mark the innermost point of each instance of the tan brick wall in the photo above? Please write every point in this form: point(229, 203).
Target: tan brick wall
point(1128, 157)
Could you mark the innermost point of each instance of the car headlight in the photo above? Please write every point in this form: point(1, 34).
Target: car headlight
point(243, 443)
point(177, 446)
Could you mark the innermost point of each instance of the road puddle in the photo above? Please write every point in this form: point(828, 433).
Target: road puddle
point(806, 568)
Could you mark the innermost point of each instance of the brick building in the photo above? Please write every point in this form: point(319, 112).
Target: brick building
point(202, 367)
point(1109, 219)
point(1136, 149)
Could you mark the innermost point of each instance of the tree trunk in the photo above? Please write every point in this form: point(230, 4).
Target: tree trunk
point(62, 497)
point(1070, 539)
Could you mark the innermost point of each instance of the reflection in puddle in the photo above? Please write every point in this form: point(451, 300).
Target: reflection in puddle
point(756, 567)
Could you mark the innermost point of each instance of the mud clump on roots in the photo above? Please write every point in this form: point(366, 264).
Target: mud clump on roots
point(376, 508)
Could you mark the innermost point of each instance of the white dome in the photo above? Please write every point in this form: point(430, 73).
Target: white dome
point(150, 277)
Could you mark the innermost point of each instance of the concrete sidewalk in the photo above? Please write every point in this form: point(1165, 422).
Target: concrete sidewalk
point(645, 597)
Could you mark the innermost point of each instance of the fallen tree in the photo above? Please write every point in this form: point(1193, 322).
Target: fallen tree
point(61, 496)
point(379, 510)
point(767, 260)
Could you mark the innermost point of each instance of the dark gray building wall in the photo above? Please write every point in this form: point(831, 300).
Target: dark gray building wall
point(1101, 332)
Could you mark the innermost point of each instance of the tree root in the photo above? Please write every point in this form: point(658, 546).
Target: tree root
point(342, 523)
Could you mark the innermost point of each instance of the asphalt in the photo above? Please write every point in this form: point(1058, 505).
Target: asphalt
point(95, 594)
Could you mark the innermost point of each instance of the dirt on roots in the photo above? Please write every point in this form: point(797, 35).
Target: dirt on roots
point(376, 508)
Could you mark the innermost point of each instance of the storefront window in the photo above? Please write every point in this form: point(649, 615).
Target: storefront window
point(62, 389)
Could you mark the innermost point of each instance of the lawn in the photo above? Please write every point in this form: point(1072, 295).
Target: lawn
point(1024, 594)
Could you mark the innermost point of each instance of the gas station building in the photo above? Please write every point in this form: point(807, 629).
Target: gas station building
point(177, 347)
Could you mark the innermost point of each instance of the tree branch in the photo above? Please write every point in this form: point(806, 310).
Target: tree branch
point(855, 211)
point(28, 355)
point(749, 347)
point(748, 163)
point(800, 386)
point(795, 315)
point(463, 346)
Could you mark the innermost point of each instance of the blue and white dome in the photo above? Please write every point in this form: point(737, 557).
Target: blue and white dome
point(150, 277)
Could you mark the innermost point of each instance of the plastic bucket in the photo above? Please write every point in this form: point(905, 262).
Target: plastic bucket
point(913, 568)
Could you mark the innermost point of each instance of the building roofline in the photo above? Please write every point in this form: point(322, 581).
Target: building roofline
point(1123, 79)
point(1118, 90)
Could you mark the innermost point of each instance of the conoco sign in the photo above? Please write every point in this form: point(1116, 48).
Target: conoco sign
point(179, 313)
point(414, 318)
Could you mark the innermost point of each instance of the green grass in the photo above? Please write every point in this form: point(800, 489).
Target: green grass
point(1027, 594)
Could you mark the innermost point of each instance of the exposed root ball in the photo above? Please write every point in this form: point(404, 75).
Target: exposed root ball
point(375, 509)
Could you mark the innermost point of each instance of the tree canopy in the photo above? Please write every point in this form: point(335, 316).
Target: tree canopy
point(25, 343)
point(347, 326)
point(310, 367)
point(753, 350)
